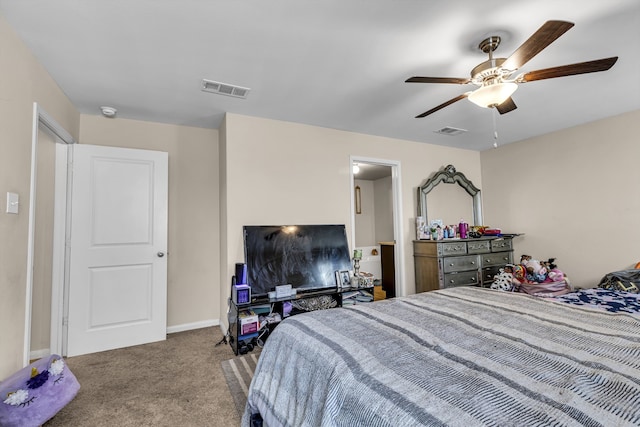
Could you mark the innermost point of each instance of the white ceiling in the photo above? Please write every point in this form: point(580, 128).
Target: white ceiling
point(332, 63)
point(371, 172)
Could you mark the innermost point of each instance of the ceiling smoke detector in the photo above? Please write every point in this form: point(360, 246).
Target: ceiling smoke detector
point(109, 112)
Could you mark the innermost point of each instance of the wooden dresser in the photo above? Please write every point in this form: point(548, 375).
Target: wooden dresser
point(387, 260)
point(458, 262)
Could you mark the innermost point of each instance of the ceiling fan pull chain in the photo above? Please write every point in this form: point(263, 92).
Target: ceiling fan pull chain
point(495, 128)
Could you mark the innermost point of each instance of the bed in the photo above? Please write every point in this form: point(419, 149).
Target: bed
point(463, 356)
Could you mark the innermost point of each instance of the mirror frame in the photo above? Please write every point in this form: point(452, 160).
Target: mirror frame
point(449, 175)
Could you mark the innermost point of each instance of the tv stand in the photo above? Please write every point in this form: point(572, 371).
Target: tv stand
point(270, 309)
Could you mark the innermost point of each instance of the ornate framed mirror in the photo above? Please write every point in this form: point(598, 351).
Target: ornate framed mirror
point(449, 175)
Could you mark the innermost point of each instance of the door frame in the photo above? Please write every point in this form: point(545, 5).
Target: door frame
point(397, 213)
point(63, 139)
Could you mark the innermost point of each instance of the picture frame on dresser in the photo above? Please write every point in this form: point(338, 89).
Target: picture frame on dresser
point(344, 279)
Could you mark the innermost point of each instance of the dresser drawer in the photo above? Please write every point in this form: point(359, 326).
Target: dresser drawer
point(498, 245)
point(460, 263)
point(461, 279)
point(479, 247)
point(425, 248)
point(452, 248)
point(495, 259)
point(488, 274)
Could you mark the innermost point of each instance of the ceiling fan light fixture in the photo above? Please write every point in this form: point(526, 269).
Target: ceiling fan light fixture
point(492, 95)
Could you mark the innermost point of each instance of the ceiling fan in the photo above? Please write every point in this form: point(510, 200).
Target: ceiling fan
point(495, 76)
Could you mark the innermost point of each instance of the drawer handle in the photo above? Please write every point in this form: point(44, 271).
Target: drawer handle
point(452, 281)
point(473, 279)
point(473, 263)
point(487, 260)
point(451, 265)
point(506, 258)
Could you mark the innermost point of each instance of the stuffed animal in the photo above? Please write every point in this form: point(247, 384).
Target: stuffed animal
point(503, 281)
point(555, 274)
point(519, 273)
point(524, 259)
point(536, 272)
point(550, 263)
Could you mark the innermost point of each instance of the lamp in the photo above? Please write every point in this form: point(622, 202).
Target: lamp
point(492, 94)
point(357, 256)
point(356, 168)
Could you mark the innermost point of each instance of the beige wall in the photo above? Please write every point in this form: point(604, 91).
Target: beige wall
point(193, 253)
point(383, 202)
point(23, 82)
point(365, 222)
point(281, 173)
point(574, 193)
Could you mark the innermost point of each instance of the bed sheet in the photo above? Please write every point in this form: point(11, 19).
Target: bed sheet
point(456, 357)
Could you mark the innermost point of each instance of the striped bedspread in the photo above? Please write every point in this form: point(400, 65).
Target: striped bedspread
point(454, 357)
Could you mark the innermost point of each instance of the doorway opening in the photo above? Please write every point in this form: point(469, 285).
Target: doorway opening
point(376, 222)
point(44, 272)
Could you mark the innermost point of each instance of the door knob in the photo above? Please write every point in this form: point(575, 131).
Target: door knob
point(160, 254)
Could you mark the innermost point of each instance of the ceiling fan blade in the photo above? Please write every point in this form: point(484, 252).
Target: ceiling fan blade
point(441, 106)
point(570, 70)
point(457, 80)
point(542, 38)
point(506, 106)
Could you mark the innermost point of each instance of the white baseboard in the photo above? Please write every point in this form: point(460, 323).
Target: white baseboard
point(39, 354)
point(192, 326)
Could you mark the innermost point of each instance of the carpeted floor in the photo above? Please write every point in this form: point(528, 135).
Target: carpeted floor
point(177, 382)
point(238, 373)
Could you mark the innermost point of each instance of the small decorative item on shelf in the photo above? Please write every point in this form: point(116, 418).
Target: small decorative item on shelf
point(357, 256)
point(434, 233)
point(436, 227)
point(422, 231)
point(344, 281)
point(462, 229)
point(366, 279)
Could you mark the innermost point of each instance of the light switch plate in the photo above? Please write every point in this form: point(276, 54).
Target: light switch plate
point(12, 202)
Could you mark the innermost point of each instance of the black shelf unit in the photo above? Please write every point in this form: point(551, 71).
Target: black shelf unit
point(242, 344)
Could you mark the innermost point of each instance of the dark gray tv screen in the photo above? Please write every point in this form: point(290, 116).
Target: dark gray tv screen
point(304, 256)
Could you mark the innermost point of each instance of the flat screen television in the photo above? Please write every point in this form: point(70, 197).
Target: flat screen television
point(304, 256)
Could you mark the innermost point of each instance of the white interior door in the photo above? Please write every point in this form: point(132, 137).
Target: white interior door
point(118, 264)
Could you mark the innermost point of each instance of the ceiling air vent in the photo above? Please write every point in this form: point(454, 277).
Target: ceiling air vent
point(451, 131)
point(224, 89)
